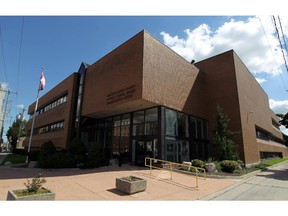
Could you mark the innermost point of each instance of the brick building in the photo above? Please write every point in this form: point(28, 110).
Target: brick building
point(143, 99)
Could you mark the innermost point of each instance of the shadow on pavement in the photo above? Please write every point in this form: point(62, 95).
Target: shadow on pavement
point(281, 175)
point(168, 181)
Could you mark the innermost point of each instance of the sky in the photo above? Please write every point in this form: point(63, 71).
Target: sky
point(32, 39)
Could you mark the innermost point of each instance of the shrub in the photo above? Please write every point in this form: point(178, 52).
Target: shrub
point(95, 157)
point(47, 148)
point(229, 165)
point(241, 163)
point(77, 147)
point(218, 166)
point(45, 159)
point(36, 184)
point(197, 163)
point(62, 160)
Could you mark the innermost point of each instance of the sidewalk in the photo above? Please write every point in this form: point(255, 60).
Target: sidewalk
point(99, 184)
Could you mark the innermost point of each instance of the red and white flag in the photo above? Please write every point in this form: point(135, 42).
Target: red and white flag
point(42, 81)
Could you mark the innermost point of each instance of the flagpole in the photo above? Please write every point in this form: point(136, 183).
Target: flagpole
point(33, 121)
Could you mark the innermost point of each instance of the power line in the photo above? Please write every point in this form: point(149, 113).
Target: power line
point(273, 55)
point(278, 35)
point(4, 64)
point(283, 37)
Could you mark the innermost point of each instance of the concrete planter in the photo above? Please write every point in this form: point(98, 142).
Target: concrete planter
point(131, 184)
point(45, 196)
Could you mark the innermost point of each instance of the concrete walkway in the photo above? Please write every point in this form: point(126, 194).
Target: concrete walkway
point(99, 184)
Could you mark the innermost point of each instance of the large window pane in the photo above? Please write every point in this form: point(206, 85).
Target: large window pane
point(138, 117)
point(151, 128)
point(170, 122)
point(183, 125)
point(151, 115)
point(199, 129)
point(170, 150)
point(138, 129)
point(193, 127)
point(205, 130)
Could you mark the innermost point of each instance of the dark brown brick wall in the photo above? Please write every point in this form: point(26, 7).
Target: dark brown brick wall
point(230, 84)
point(167, 77)
point(118, 70)
point(64, 112)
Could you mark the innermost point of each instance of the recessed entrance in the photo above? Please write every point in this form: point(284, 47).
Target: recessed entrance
point(145, 148)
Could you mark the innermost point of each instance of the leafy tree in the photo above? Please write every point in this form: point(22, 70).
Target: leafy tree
point(223, 137)
point(16, 131)
point(283, 119)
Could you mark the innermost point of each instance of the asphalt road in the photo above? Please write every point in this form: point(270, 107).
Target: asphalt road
point(268, 185)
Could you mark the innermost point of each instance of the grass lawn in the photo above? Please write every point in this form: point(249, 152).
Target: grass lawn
point(271, 162)
point(15, 158)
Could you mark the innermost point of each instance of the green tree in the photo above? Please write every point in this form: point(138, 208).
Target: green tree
point(16, 131)
point(224, 138)
point(283, 119)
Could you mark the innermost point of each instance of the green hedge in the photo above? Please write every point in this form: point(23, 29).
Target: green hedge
point(197, 163)
point(229, 165)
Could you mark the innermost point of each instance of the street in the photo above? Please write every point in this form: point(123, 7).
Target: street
point(268, 185)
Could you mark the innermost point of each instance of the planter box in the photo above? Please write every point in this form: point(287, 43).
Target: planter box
point(131, 184)
point(45, 196)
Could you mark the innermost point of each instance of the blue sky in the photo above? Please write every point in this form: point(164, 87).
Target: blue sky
point(61, 43)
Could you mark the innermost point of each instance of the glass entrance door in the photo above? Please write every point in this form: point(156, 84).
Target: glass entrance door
point(183, 151)
point(140, 152)
point(145, 148)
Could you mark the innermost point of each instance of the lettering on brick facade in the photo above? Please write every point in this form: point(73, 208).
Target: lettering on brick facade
point(121, 94)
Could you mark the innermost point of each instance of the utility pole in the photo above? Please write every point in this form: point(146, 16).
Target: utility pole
point(4, 111)
point(21, 118)
point(4, 116)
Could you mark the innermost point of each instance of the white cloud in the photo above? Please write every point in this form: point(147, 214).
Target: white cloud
point(261, 80)
point(279, 106)
point(246, 38)
point(20, 106)
point(283, 129)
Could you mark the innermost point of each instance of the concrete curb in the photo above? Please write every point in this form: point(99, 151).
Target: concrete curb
point(248, 175)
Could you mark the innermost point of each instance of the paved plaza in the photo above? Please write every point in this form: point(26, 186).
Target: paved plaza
point(99, 184)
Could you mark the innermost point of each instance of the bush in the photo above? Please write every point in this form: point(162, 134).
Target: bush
point(45, 159)
point(241, 163)
point(229, 165)
point(77, 147)
point(36, 184)
point(218, 166)
point(47, 148)
point(62, 160)
point(197, 163)
point(95, 158)
point(78, 150)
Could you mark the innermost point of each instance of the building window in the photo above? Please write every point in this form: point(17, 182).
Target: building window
point(145, 122)
point(52, 105)
point(170, 122)
point(58, 126)
point(199, 128)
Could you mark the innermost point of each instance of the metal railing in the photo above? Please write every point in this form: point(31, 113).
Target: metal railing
point(176, 167)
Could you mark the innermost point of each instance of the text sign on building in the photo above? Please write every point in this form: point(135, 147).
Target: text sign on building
point(121, 94)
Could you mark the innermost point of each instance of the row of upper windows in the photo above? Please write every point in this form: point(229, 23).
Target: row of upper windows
point(51, 105)
point(261, 134)
point(59, 126)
